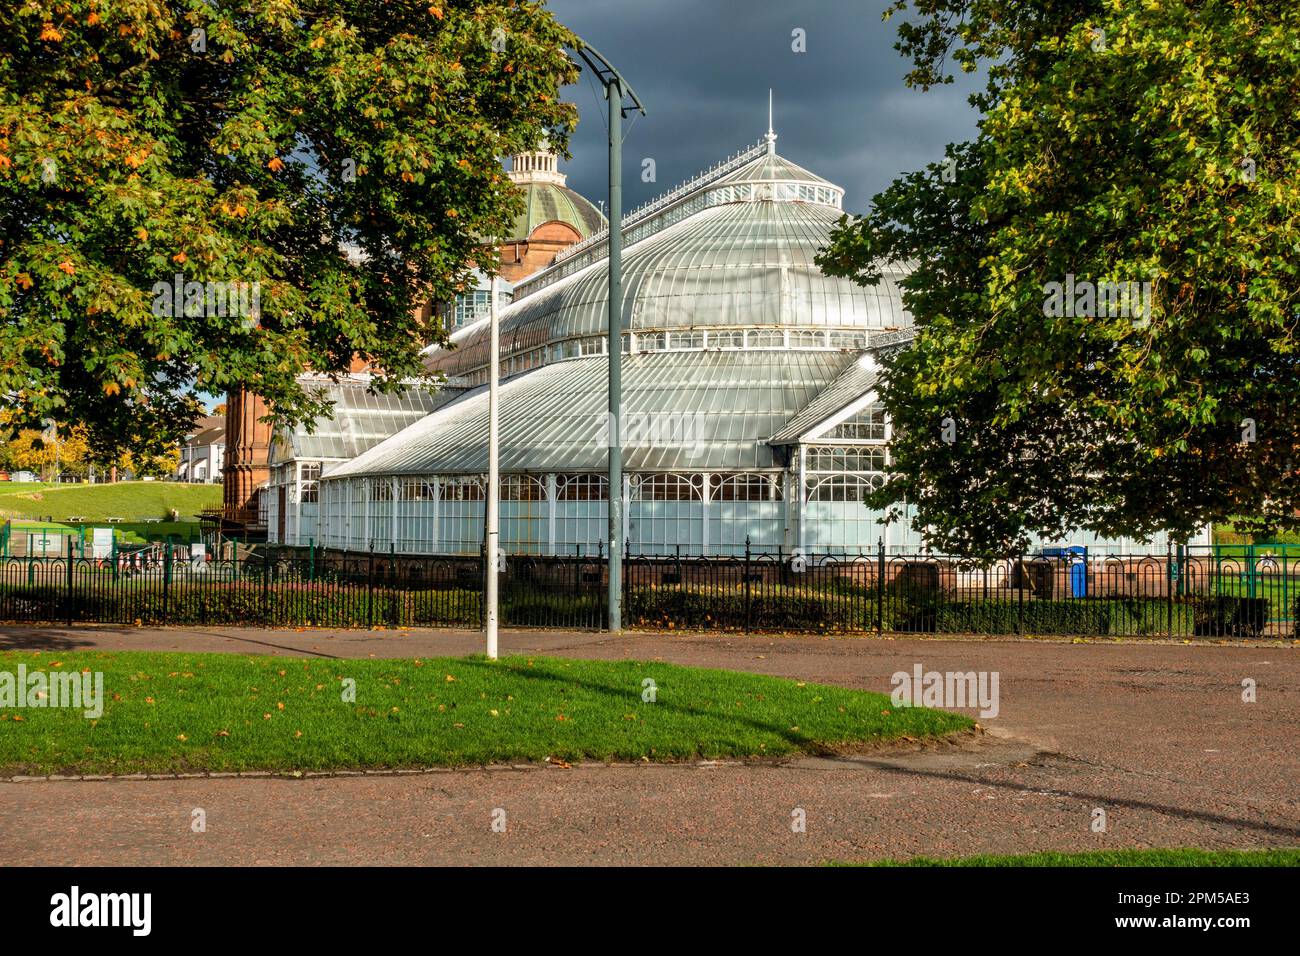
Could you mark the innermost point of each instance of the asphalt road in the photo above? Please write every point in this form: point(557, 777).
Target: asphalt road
point(1156, 736)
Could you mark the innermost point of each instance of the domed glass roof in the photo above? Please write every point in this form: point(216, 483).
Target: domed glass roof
point(732, 333)
point(734, 250)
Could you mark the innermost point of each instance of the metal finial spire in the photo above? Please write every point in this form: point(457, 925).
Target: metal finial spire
point(771, 134)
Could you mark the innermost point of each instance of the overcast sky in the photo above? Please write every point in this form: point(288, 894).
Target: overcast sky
point(703, 67)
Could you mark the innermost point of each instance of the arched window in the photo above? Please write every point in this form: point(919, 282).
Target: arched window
point(668, 488)
point(463, 488)
point(522, 488)
point(844, 487)
point(807, 339)
point(310, 489)
point(582, 488)
point(417, 489)
point(745, 487)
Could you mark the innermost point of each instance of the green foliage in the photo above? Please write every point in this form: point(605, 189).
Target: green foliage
point(770, 609)
point(1231, 616)
point(1153, 142)
point(247, 602)
point(330, 599)
point(248, 141)
point(1089, 617)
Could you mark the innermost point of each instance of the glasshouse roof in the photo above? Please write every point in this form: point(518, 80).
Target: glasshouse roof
point(682, 410)
point(734, 339)
point(361, 419)
point(737, 251)
point(854, 382)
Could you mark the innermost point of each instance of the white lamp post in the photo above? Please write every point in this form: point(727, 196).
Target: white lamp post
point(493, 507)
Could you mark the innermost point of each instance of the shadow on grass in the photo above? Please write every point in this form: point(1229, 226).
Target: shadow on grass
point(632, 697)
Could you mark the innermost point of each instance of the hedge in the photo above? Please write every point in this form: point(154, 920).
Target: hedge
point(1082, 617)
point(770, 609)
point(246, 604)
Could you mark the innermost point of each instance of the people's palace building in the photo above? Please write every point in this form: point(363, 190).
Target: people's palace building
point(749, 403)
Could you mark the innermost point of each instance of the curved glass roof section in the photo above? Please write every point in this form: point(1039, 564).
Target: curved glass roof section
point(735, 250)
point(360, 420)
point(709, 411)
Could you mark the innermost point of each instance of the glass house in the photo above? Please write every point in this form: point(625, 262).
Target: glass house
point(748, 392)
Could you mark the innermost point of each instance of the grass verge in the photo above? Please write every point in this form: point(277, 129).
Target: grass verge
point(177, 712)
point(132, 501)
point(1108, 858)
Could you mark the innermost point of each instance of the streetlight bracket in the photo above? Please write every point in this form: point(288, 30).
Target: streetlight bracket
point(608, 76)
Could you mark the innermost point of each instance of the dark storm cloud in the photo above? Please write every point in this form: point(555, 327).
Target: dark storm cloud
point(703, 68)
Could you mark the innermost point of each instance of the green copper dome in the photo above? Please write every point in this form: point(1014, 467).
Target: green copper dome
point(546, 202)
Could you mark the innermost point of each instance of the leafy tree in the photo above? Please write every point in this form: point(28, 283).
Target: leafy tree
point(67, 450)
point(1153, 142)
point(314, 170)
point(161, 465)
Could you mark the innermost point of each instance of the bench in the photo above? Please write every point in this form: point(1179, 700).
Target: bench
point(146, 520)
point(113, 520)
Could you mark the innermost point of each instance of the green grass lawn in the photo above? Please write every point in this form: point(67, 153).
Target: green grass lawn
point(1226, 533)
point(132, 501)
point(1181, 857)
point(175, 712)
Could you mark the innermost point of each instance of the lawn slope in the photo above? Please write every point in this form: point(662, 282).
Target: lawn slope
point(131, 501)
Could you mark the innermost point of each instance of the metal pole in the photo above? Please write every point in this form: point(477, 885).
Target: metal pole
point(493, 543)
point(614, 93)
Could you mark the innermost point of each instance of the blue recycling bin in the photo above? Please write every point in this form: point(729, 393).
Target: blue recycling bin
point(1076, 556)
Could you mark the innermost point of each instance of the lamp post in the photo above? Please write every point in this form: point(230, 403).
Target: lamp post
point(493, 505)
point(616, 91)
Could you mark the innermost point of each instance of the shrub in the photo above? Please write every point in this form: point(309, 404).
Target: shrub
point(1231, 616)
point(246, 603)
point(770, 608)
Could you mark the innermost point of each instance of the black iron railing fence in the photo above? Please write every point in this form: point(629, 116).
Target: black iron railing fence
point(1185, 593)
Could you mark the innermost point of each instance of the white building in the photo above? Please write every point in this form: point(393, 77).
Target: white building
point(204, 450)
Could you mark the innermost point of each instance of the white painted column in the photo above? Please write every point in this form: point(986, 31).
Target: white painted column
point(803, 464)
point(365, 525)
point(551, 508)
point(704, 501)
point(436, 504)
point(392, 512)
point(627, 502)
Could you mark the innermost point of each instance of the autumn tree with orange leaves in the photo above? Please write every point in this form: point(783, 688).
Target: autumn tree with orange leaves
point(159, 159)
